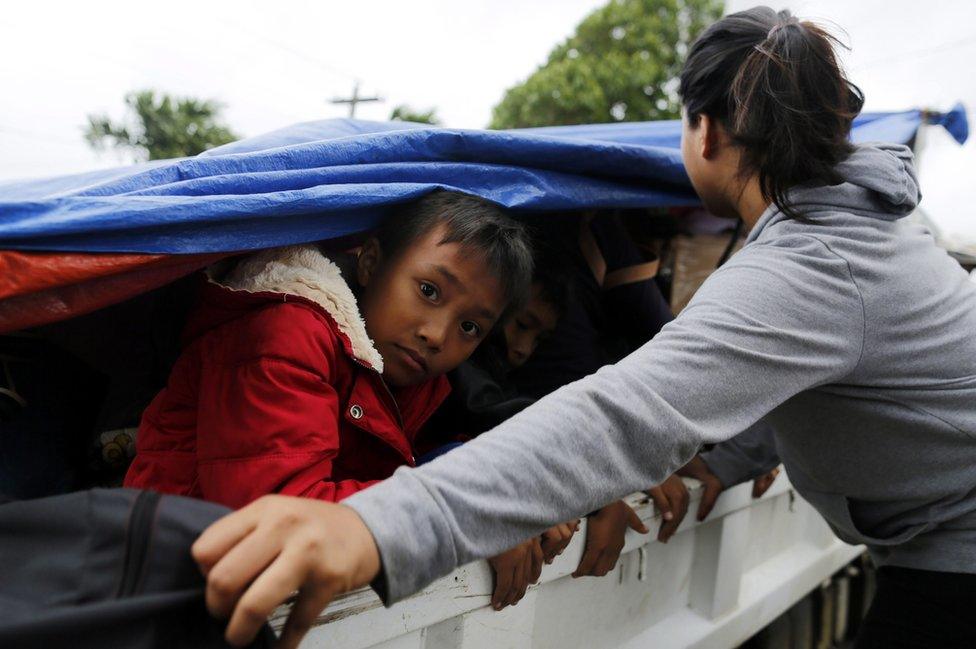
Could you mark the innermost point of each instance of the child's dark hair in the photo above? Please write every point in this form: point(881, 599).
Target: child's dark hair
point(553, 278)
point(475, 224)
point(775, 85)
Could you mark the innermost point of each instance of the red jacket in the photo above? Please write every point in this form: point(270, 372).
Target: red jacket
point(278, 390)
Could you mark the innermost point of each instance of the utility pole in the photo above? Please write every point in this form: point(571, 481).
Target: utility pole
point(354, 100)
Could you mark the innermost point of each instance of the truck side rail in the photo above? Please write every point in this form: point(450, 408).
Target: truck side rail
point(714, 584)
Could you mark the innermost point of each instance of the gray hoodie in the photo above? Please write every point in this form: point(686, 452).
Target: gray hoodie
point(850, 333)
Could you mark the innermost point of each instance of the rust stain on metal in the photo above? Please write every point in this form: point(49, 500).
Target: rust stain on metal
point(348, 612)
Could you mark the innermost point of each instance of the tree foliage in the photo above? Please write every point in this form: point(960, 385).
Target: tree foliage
point(405, 113)
point(621, 64)
point(161, 126)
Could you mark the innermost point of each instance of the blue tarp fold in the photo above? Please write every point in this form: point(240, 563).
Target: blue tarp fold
point(332, 178)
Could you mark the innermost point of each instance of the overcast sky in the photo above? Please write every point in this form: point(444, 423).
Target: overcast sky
point(273, 64)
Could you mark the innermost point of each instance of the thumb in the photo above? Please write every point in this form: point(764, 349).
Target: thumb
point(661, 502)
point(634, 521)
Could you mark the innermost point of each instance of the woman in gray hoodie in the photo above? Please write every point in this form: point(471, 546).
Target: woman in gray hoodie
point(839, 323)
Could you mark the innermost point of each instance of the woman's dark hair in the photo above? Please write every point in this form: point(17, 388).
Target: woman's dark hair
point(474, 223)
point(775, 85)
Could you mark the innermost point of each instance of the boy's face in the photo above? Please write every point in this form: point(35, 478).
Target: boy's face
point(525, 329)
point(428, 307)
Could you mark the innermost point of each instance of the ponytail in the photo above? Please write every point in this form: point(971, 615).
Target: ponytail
point(776, 86)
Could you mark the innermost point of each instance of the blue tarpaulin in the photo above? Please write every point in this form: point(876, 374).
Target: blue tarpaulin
point(332, 178)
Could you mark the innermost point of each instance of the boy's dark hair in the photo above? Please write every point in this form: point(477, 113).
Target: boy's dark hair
point(475, 224)
point(553, 277)
point(776, 86)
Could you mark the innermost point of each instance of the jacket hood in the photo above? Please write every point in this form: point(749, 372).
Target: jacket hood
point(299, 271)
point(879, 181)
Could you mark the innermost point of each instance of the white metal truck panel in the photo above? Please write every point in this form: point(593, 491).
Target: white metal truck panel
point(713, 585)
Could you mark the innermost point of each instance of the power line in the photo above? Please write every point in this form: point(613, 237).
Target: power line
point(353, 101)
point(40, 135)
point(288, 48)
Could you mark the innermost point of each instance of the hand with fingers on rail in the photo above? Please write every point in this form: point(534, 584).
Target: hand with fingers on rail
point(762, 484)
point(712, 486)
point(697, 468)
point(671, 499)
point(605, 532)
point(514, 570)
point(557, 538)
point(256, 557)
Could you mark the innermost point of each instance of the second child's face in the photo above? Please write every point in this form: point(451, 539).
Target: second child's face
point(528, 327)
point(428, 307)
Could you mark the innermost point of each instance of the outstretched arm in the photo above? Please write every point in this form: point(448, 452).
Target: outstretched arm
point(751, 339)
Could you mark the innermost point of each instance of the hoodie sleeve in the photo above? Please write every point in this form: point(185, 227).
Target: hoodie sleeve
point(773, 322)
point(748, 455)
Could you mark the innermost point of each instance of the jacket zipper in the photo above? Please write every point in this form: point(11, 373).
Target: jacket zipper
point(137, 541)
point(396, 410)
point(393, 402)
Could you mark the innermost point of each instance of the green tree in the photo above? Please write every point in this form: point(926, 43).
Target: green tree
point(405, 113)
point(161, 126)
point(621, 64)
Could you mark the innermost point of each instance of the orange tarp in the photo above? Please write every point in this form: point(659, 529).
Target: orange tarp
point(41, 287)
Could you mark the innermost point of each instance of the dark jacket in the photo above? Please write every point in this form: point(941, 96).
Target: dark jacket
point(605, 319)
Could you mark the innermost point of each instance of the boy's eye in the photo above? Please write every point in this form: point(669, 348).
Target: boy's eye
point(429, 290)
point(521, 325)
point(471, 328)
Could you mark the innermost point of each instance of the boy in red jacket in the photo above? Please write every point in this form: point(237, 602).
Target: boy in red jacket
point(301, 379)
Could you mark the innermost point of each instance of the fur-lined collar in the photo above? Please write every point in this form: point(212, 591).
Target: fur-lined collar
point(304, 271)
